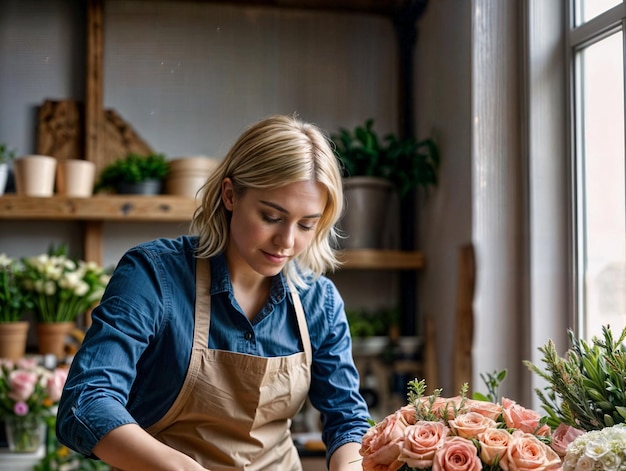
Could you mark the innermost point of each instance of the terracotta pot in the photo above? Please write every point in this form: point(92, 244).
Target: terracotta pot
point(52, 337)
point(75, 177)
point(35, 175)
point(13, 336)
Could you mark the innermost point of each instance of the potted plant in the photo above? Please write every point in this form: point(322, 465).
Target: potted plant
point(377, 170)
point(14, 302)
point(6, 156)
point(62, 288)
point(135, 174)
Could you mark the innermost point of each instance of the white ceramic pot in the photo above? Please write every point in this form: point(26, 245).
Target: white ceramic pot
point(35, 175)
point(4, 175)
point(75, 177)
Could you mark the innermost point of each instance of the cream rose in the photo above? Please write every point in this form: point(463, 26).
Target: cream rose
point(381, 445)
point(563, 436)
point(527, 453)
point(457, 454)
point(421, 441)
point(471, 424)
point(526, 420)
point(493, 445)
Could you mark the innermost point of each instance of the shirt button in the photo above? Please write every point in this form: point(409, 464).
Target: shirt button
point(248, 336)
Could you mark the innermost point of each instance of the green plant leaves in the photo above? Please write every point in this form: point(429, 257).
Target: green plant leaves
point(585, 386)
point(408, 163)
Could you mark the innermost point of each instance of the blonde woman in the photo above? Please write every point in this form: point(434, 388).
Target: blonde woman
point(205, 347)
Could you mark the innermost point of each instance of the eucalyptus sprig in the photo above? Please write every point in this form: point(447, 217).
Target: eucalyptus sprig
point(586, 386)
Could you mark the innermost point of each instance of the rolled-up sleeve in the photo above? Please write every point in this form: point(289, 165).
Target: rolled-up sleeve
point(102, 373)
point(335, 379)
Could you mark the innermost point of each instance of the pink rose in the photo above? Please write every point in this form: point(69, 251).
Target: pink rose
point(22, 384)
point(382, 444)
point(421, 441)
point(55, 383)
point(563, 436)
point(526, 420)
point(488, 409)
point(527, 453)
point(457, 454)
point(493, 445)
point(471, 424)
point(409, 414)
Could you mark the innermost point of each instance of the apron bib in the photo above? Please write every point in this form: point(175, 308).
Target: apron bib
point(234, 410)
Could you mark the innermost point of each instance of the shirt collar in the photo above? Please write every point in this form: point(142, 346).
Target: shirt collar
point(220, 280)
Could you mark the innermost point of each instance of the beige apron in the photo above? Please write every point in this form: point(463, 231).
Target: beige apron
point(234, 410)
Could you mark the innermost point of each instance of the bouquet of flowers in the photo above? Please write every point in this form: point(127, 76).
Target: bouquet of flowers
point(29, 395)
point(28, 388)
point(62, 288)
point(598, 449)
point(458, 434)
point(14, 301)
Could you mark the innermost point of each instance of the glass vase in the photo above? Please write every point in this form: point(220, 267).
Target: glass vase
point(25, 434)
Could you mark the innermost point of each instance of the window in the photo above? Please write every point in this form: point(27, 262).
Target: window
point(597, 83)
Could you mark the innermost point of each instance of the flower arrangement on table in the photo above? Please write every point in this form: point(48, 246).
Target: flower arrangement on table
point(14, 301)
point(62, 288)
point(585, 400)
point(458, 434)
point(29, 395)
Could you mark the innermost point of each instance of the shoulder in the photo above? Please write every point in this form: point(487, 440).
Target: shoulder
point(321, 298)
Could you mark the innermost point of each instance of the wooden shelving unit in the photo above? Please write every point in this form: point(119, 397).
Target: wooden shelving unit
point(162, 208)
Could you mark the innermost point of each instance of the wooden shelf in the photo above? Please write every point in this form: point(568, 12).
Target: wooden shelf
point(128, 208)
point(163, 208)
point(370, 259)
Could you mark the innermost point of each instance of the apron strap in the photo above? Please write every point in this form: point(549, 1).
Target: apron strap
point(304, 330)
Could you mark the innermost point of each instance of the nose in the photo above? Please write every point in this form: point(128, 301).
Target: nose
point(285, 237)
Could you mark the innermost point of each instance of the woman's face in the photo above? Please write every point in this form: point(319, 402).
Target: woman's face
point(270, 227)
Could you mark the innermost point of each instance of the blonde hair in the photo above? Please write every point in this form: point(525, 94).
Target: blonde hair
point(270, 154)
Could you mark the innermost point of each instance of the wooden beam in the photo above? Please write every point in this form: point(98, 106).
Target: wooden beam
point(94, 115)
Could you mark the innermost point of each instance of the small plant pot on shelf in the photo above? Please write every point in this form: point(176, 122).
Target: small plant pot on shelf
point(4, 177)
point(366, 218)
point(53, 336)
point(35, 175)
point(13, 337)
point(75, 177)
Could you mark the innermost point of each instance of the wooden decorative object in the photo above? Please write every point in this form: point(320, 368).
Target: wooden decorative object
point(60, 129)
point(464, 325)
point(61, 133)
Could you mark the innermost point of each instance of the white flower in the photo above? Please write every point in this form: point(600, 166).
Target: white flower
point(5, 261)
point(602, 450)
point(585, 463)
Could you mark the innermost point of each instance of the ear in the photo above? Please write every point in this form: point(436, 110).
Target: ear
point(228, 194)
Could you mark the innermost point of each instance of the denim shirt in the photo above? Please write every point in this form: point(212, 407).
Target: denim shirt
point(133, 361)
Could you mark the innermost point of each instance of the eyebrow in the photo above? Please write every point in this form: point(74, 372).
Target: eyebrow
point(283, 210)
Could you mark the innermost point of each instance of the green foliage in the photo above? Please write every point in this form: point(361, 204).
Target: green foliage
point(586, 387)
point(133, 168)
point(6, 154)
point(407, 163)
point(371, 323)
point(14, 301)
point(493, 382)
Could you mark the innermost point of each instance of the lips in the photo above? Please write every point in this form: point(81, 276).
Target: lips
point(276, 258)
